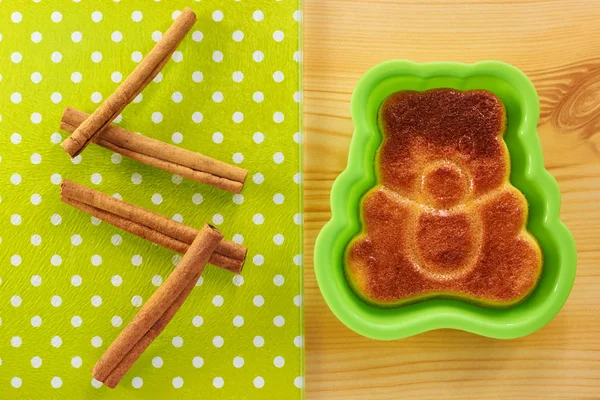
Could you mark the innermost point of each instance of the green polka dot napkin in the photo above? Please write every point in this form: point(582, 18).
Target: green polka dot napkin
point(68, 282)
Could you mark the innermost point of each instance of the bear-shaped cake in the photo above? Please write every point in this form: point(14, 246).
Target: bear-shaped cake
point(444, 220)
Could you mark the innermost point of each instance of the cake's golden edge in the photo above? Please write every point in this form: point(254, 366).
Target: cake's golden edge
point(355, 281)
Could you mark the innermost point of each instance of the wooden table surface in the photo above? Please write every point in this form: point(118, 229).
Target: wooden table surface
point(557, 44)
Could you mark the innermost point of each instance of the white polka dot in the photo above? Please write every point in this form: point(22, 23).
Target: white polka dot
point(258, 15)
point(298, 300)
point(298, 259)
point(278, 117)
point(299, 382)
point(197, 36)
point(177, 137)
point(15, 138)
point(76, 280)
point(96, 97)
point(16, 219)
point(197, 198)
point(298, 97)
point(36, 118)
point(116, 158)
point(298, 56)
point(96, 301)
point(116, 36)
point(56, 341)
point(96, 56)
point(56, 137)
point(76, 362)
point(76, 321)
point(197, 362)
point(278, 76)
point(96, 16)
point(278, 36)
point(258, 260)
point(116, 77)
point(278, 321)
point(16, 17)
point(16, 301)
point(136, 301)
point(217, 97)
point(278, 157)
point(16, 97)
point(56, 16)
point(258, 301)
point(157, 198)
point(258, 178)
point(36, 199)
point(157, 117)
point(258, 137)
point(197, 117)
point(136, 56)
point(56, 57)
point(96, 383)
point(16, 341)
point(199, 281)
point(238, 362)
point(279, 361)
point(217, 219)
point(237, 158)
point(76, 240)
point(36, 362)
point(16, 382)
point(278, 280)
point(96, 178)
point(298, 341)
point(278, 239)
point(15, 260)
point(177, 382)
point(136, 178)
point(96, 260)
point(177, 341)
point(238, 76)
point(56, 260)
point(96, 341)
point(16, 57)
point(297, 15)
point(76, 77)
point(197, 321)
point(36, 280)
point(218, 382)
point(158, 77)
point(157, 280)
point(157, 362)
point(258, 341)
point(76, 36)
point(258, 56)
point(177, 56)
point(36, 77)
point(177, 179)
point(217, 56)
point(136, 16)
point(56, 179)
point(259, 382)
point(56, 98)
point(175, 13)
point(15, 179)
point(197, 76)
point(217, 16)
point(258, 219)
point(278, 198)
point(238, 117)
point(177, 97)
point(217, 301)
point(258, 97)
point(238, 321)
point(116, 321)
point(36, 37)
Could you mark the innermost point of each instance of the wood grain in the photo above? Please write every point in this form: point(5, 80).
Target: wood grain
point(557, 43)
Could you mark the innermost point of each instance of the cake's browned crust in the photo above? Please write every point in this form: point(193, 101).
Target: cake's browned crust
point(445, 220)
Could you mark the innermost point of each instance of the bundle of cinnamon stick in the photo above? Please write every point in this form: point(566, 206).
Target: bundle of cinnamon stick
point(97, 127)
point(198, 246)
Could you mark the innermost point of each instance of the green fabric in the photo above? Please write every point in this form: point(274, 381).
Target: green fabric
point(55, 260)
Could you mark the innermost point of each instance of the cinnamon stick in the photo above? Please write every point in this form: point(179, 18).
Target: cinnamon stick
point(138, 349)
point(141, 76)
point(148, 225)
point(162, 155)
point(165, 296)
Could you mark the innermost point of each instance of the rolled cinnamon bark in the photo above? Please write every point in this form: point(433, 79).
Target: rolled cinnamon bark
point(148, 225)
point(138, 349)
point(141, 76)
point(166, 295)
point(162, 155)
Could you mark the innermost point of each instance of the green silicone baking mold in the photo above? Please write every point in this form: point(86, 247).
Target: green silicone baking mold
point(527, 174)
